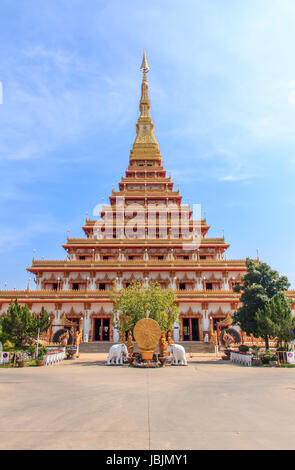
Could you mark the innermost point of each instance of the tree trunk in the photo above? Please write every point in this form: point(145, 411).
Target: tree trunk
point(266, 343)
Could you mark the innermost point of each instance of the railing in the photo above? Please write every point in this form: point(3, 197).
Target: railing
point(201, 294)
point(142, 192)
point(148, 241)
point(54, 357)
point(122, 263)
point(241, 359)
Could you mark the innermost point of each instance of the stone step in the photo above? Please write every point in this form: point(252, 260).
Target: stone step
point(104, 346)
point(200, 347)
point(96, 347)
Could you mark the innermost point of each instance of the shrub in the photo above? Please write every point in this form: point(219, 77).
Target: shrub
point(41, 351)
point(269, 356)
point(243, 348)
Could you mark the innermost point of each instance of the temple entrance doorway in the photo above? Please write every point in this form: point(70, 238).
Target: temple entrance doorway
point(101, 329)
point(190, 329)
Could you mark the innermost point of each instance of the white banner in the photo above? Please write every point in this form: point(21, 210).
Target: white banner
point(290, 357)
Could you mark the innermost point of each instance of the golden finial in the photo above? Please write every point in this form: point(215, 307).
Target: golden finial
point(145, 146)
point(144, 65)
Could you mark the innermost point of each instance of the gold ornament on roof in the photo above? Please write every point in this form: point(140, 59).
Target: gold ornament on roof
point(145, 145)
point(144, 68)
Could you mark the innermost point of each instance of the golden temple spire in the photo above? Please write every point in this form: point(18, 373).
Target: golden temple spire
point(144, 65)
point(145, 145)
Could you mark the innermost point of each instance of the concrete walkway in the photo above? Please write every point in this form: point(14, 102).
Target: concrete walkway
point(209, 404)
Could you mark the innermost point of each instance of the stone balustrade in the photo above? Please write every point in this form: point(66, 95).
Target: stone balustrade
point(54, 357)
point(241, 359)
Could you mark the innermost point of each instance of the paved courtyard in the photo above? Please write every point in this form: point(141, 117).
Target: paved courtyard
point(84, 404)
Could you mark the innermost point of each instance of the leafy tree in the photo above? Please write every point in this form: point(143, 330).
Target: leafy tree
point(276, 319)
point(19, 324)
point(138, 301)
point(3, 336)
point(40, 320)
point(260, 285)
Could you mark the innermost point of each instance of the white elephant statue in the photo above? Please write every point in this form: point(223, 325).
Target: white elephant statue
point(178, 353)
point(116, 353)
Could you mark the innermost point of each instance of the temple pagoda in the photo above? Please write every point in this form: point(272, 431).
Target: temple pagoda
point(138, 235)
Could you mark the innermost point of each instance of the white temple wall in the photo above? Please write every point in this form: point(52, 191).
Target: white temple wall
point(215, 307)
point(187, 274)
point(185, 306)
point(133, 275)
point(49, 307)
point(155, 274)
point(102, 275)
point(77, 308)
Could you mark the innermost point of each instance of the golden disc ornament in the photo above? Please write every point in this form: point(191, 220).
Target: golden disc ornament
point(147, 333)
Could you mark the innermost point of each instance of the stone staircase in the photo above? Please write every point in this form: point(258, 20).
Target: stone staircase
point(104, 346)
point(96, 347)
point(201, 347)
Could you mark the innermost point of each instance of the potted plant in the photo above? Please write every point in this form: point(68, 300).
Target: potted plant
point(273, 362)
point(256, 361)
point(269, 358)
point(226, 355)
point(40, 358)
point(21, 358)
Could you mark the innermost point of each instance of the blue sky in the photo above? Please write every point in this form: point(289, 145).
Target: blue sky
point(222, 90)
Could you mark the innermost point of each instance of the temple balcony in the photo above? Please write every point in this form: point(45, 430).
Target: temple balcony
point(94, 242)
point(45, 296)
point(136, 262)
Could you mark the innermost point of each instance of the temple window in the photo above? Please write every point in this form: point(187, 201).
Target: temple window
point(81, 257)
point(160, 257)
point(54, 286)
point(209, 286)
point(105, 257)
point(186, 257)
point(102, 286)
point(75, 286)
point(130, 257)
point(182, 286)
point(202, 257)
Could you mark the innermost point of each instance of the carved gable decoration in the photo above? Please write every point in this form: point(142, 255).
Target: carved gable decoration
point(79, 278)
point(71, 312)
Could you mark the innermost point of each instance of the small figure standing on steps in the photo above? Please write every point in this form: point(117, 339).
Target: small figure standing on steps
point(130, 344)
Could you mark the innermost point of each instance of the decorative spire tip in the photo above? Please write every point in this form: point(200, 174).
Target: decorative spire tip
point(144, 65)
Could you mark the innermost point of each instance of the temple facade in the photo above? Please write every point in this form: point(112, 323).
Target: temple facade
point(144, 233)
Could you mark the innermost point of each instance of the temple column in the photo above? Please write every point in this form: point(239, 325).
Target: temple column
point(116, 334)
point(199, 285)
point(86, 322)
point(176, 335)
point(119, 280)
point(205, 320)
point(66, 281)
point(225, 284)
